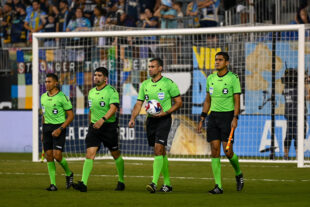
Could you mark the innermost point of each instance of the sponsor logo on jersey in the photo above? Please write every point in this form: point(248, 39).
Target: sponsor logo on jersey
point(211, 90)
point(146, 97)
point(161, 95)
point(225, 91)
point(102, 103)
point(55, 111)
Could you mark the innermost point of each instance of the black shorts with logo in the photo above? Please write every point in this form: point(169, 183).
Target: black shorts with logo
point(157, 130)
point(107, 134)
point(219, 126)
point(50, 142)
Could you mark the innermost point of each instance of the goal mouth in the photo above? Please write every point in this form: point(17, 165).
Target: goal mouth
point(258, 55)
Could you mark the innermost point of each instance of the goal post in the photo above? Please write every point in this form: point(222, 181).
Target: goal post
point(260, 55)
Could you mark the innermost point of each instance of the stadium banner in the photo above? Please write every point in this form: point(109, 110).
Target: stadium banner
point(258, 79)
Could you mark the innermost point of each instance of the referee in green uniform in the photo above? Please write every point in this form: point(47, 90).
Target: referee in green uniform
point(103, 101)
point(164, 90)
point(55, 106)
point(223, 100)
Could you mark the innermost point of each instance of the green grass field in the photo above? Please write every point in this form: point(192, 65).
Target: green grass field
point(22, 183)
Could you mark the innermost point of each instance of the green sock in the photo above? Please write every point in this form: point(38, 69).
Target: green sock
point(165, 170)
point(87, 168)
point(65, 166)
point(235, 163)
point(52, 172)
point(157, 167)
point(216, 168)
point(120, 168)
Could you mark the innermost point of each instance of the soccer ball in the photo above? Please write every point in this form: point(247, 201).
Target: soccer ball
point(153, 107)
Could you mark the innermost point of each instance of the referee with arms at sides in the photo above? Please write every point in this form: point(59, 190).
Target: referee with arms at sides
point(223, 100)
point(158, 126)
point(55, 106)
point(103, 102)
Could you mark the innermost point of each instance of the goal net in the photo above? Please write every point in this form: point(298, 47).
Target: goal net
point(272, 63)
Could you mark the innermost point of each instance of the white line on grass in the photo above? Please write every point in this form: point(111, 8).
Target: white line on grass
point(181, 178)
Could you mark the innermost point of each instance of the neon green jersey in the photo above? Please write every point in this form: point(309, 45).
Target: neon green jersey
point(99, 102)
point(54, 107)
point(163, 91)
point(222, 90)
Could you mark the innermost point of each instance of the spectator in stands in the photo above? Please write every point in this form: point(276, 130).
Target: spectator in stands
point(153, 5)
point(208, 12)
point(148, 20)
point(44, 6)
point(167, 15)
point(78, 23)
point(99, 22)
point(301, 17)
point(7, 23)
point(112, 7)
point(19, 33)
point(50, 26)
point(35, 20)
point(178, 7)
point(132, 11)
point(192, 10)
point(63, 16)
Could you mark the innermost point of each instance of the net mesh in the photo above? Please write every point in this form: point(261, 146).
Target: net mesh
point(266, 63)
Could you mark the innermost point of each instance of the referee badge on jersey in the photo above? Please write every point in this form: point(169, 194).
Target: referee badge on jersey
point(55, 111)
point(146, 97)
point(161, 95)
point(102, 103)
point(225, 91)
point(211, 90)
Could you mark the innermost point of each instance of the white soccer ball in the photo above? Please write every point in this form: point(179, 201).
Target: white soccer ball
point(153, 107)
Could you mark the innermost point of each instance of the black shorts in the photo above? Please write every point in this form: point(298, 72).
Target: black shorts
point(50, 142)
point(157, 130)
point(291, 130)
point(107, 134)
point(219, 126)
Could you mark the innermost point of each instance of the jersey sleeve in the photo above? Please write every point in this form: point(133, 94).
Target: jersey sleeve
point(66, 103)
point(174, 90)
point(236, 84)
point(208, 86)
point(114, 99)
point(141, 96)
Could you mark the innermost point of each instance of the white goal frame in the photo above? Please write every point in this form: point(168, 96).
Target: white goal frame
point(216, 30)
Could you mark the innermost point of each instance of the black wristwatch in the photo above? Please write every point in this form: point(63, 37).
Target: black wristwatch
point(236, 116)
point(61, 128)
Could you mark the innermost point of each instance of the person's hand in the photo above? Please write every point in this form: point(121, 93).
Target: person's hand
point(234, 123)
point(161, 114)
point(131, 123)
point(56, 132)
point(98, 124)
point(199, 127)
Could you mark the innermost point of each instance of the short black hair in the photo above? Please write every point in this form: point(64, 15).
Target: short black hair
point(52, 75)
point(158, 60)
point(103, 70)
point(224, 54)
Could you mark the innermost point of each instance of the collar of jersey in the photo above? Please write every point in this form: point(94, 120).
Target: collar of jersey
point(54, 94)
point(101, 88)
point(222, 75)
point(157, 80)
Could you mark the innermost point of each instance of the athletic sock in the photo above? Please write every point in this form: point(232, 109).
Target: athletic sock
point(216, 168)
point(157, 167)
point(87, 168)
point(165, 170)
point(119, 162)
point(235, 163)
point(52, 172)
point(63, 163)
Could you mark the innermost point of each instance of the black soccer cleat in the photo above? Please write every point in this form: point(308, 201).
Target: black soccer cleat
point(52, 187)
point(80, 186)
point(120, 186)
point(69, 181)
point(216, 190)
point(240, 182)
point(166, 189)
point(151, 188)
